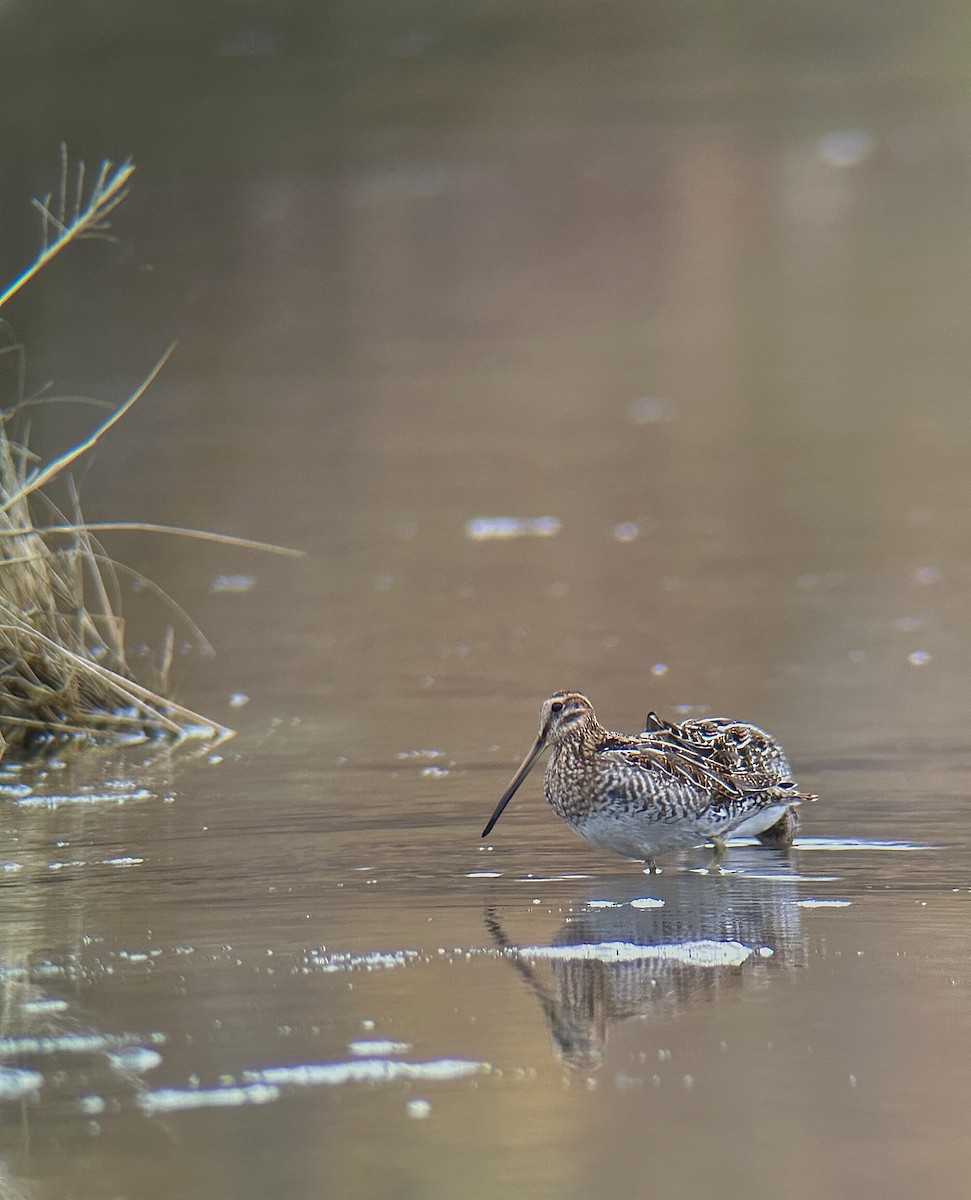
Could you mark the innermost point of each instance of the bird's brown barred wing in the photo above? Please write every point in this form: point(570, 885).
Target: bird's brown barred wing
point(671, 759)
point(746, 754)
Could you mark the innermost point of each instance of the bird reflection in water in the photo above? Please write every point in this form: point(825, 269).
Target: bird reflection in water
point(623, 957)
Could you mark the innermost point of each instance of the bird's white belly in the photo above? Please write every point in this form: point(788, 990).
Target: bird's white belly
point(634, 835)
point(760, 821)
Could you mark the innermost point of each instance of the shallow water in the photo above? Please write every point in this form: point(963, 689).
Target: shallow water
point(627, 352)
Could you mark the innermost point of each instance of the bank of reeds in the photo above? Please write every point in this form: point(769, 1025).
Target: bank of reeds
point(63, 667)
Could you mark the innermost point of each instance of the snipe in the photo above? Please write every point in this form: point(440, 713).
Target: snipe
point(669, 788)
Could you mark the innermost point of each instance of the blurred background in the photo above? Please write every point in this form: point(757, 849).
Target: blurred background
point(690, 280)
point(620, 346)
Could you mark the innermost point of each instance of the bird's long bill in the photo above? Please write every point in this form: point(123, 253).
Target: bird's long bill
point(527, 765)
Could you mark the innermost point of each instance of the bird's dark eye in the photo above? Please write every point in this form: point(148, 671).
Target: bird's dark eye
point(557, 707)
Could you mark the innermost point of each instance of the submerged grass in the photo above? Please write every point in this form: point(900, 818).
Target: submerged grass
point(63, 667)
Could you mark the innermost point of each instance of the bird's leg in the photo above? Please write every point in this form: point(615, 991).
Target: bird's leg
point(651, 867)
point(720, 850)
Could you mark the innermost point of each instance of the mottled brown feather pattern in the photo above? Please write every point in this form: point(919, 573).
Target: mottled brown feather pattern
point(668, 788)
point(750, 756)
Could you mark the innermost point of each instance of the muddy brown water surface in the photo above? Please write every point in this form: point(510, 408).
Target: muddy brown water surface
point(687, 301)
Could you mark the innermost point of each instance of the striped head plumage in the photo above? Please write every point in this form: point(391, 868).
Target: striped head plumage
point(563, 715)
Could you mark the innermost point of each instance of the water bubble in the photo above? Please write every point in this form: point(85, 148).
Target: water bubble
point(232, 583)
point(627, 531)
point(649, 410)
point(135, 1059)
point(846, 147)
point(418, 1109)
point(379, 1047)
point(238, 699)
point(16, 1083)
point(659, 669)
point(927, 575)
point(481, 529)
point(918, 658)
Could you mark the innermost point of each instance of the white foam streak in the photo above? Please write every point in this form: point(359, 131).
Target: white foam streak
point(368, 1070)
point(703, 953)
point(168, 1100)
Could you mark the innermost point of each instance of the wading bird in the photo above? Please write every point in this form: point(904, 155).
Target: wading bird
point(669, 788)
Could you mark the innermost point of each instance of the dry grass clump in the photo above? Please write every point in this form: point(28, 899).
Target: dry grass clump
point(63, 669)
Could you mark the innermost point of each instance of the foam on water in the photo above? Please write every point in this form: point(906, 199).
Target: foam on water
point(374, 961)
point(482, 529)
point(791, 877)
point(76, 1043)
point(58, 801)
point(550, 878)
point(15, 1083)
point(368, 1070)
point(266, 1086)
point(703, 953)
point(823, 843)
point(135, 1060)
point(168, 1100)
point(378, 1047)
